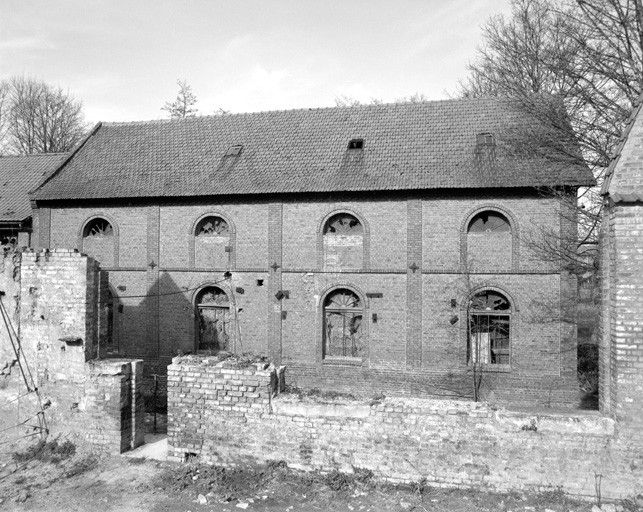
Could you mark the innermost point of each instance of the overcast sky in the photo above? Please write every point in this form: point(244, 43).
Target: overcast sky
point(122, 58)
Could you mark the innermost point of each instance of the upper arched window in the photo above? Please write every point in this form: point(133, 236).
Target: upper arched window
point(343, 224)
point(489, 328)
point(98, 228)
point(99, 241)
point(489, 241)
point(343, 314)
point(343, 242)
point(212, 226)
point(489, 222)
point(213, 243)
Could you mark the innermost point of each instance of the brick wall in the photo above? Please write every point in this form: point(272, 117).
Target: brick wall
point(232, 416)
point(621, 355)
point(56, 309)
point(413, 252)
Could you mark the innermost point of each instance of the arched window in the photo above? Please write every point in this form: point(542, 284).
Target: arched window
point(343, 314)
point(212, 226)
point(489, 241)
point(213, 318)
point(212, 243)
point(343, 242)
point(98, 241)
point(489, 328)
point(489, 222)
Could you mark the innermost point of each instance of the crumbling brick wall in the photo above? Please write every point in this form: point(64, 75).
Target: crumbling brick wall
point(231, 416)
point(53, 300)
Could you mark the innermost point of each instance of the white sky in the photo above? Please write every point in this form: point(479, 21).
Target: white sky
point(122, 57)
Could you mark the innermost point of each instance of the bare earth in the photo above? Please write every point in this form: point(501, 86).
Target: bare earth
point(84, 482)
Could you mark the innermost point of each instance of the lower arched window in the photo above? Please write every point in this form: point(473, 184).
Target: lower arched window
point(213, 319)
point(489, 332)
point(343, 313)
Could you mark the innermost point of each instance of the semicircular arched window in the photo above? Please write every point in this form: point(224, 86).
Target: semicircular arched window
point(212, 243)
point(488, 340)
point(343, 314)
point(343, 242)
point(98, 241)
point(212, 226)
point(212, 319)
point(489, 222)
point(98, 228)
point(489, 242)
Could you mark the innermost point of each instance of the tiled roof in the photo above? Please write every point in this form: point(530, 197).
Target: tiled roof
point(18, 176)
point(427, 145)
point(624, 177)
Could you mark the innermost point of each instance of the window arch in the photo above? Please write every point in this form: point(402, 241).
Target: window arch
point(212, 239)
point(343, 333)
point(98, 239)
point(212, 225)
point(212, 319)
point(343, 241)
point(489, 328)
point(489, 240)
point(489, 221)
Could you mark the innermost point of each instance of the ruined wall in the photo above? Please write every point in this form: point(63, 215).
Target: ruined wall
point(57, 324)
point(231, 416)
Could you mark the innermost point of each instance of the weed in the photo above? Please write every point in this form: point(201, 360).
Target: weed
point(337, 481)
point(46, 451)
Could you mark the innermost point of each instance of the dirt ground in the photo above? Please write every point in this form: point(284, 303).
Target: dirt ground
point(69, 480)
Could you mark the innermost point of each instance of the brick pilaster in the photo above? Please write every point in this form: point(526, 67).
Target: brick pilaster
point(152, 301)
point(275, 260)
point(414, 284)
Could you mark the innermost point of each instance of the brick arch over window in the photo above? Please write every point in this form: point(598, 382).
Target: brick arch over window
point(98, 238)
point(342, 244)
point(344, 327)
point(490, 322)
point(483, 250)
point(212, 242)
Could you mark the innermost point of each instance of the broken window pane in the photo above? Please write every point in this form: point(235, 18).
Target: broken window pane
point(489, 222)
point(343, 224)
point(98, 228)
point(212, 226)
point(488, 336)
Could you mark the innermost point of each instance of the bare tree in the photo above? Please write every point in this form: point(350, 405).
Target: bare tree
point(575, 66)
point(183, 105)
point(40, 118)
point(4, 113)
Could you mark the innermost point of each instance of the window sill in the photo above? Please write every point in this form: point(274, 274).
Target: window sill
point(494, 368)
point(342, 361)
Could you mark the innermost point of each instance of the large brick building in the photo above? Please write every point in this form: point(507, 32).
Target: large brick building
point(371, 249)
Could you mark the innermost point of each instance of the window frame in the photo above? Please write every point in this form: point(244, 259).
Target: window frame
point(510, 313)
point(329, 360)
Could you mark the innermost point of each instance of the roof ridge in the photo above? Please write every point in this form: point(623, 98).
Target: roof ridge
point(376, 106)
